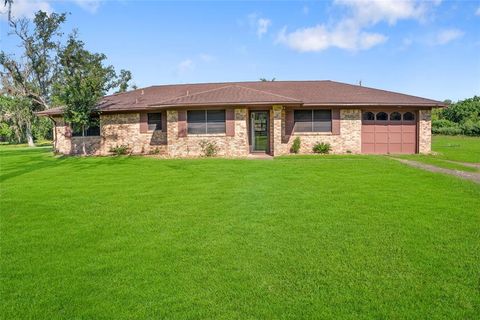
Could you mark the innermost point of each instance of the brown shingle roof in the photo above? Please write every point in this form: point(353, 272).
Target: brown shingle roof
point(231, 94)
point(328, 93)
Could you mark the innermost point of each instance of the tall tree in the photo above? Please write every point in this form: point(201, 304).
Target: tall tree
point(82, 82)
point(46, 63)
point(123, 80)
point(32, 74)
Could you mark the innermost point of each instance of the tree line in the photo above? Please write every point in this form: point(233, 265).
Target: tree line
point(51, 70)
point(462, 117)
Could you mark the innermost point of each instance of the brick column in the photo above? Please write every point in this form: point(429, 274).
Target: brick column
point(277, 130)
point(425, 131)
point(172, 132)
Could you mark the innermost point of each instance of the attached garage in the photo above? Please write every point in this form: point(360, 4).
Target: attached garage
point(389, 131)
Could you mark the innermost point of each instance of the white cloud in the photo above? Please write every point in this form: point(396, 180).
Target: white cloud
point(261, 25)
point(374, 11)
point(351, 31)
point(89, 5)
point(25, 8)
point(477, 13)
point(205, 57)
point(28, 8)
point(320, 38)
point(185, 66)
point(448, 35)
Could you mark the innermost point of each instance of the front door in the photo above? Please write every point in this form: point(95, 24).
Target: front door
point(259, 131)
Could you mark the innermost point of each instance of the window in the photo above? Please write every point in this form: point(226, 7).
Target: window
point(368, 116)
point(206, 121)
point(154, 121)
point(382, 116)
point(408, 116)
point(313, 120)
point(395, 116)
point(92, 130)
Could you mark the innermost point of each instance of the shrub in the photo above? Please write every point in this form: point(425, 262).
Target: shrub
point(443, 123)
point(296, 145)
point(471, 127)
point(209, 148)
point(321, 147)
point(154, 151)
point(462, 117)
point(449, 131)
point(120, 150)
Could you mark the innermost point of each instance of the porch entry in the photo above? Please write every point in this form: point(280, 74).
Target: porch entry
point(259, 131)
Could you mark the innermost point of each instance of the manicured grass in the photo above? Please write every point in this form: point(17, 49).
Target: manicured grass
point(316, 237)
point(450, 148)
point(438, 162)
point(457, 148)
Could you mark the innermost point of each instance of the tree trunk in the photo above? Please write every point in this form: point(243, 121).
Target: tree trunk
point(29, 135)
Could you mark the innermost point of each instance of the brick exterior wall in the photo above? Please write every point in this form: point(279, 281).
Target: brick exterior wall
point(425, 131)
point(189, 146)
point(116, 129)
point(349, 138)
point(124, 129)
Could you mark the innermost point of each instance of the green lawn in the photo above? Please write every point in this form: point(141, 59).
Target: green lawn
point(450, 148)
point(457, 148)
point(303, 237)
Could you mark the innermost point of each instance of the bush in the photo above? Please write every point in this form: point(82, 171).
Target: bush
point(296, 145)
point(449, 131)
point(120, 150)
point(6, 132)
point(471, 127)
point(154, 151)
point(462, 117)
point(443, 123)
point(321, 147)
point(209, 148)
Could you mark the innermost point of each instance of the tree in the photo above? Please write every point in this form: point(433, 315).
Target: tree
point(15, 113)
point(46, 63)
point(32, 75)
point(266, 80)
point(82, 82)
point(9, 10)
point(123, 80)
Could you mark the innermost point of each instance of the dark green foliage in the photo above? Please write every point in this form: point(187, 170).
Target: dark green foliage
point(120, 150)
point(322, 147)
point(49, 72)
point(123, 80)
point(209, 148)
point(462, 117)
point(295, 145)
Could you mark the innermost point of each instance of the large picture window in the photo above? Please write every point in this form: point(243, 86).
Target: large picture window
point(206, 121)
point(90, 131)
point(154, 121)
point(319, 120)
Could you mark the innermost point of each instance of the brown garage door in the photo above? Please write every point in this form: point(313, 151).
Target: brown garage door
point(389, 132)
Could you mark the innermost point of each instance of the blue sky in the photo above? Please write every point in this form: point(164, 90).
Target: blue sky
point(425, 48)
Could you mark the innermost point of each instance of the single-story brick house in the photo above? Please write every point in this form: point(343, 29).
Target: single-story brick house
point(253, 117)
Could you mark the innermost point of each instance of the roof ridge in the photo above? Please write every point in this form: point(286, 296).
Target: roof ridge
point(270, 93)
point(193, 94)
